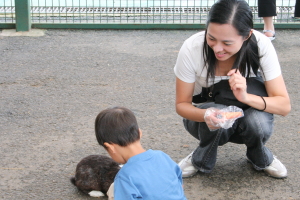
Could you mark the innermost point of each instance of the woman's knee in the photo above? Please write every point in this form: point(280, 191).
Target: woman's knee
point(192, 127)
point(257, 124)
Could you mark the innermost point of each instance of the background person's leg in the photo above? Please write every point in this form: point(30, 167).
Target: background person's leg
point(266, 10)
point(297, 10)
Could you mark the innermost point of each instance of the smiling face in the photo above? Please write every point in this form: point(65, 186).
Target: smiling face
point(224, 40)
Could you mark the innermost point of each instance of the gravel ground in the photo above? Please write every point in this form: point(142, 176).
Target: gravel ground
point(52, 87)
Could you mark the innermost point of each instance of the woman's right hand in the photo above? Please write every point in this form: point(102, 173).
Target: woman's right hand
point(212, 119)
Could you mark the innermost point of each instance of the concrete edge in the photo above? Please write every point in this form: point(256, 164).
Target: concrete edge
point(14, 33)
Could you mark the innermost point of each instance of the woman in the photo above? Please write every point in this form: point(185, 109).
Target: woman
point(229, 49)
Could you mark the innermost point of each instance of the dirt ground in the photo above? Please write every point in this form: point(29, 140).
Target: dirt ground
point(52, 87)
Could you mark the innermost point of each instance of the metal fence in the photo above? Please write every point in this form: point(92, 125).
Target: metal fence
point(130, 13)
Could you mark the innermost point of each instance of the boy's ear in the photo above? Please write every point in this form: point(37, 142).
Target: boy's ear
point(141, 133)
point(109, 147)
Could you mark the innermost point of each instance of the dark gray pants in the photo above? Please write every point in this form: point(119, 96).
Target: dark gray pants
point(253, 130)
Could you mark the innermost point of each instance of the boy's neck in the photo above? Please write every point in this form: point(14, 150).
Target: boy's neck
point(131, 150)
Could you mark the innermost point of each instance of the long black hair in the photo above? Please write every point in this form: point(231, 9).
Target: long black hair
point(239, 15)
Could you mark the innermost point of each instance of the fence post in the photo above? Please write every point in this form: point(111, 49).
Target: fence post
point(23, 22)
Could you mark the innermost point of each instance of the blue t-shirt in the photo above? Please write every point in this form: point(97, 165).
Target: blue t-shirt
point(151, 175)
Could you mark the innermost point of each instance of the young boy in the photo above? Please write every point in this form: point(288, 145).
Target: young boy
point(145, 175)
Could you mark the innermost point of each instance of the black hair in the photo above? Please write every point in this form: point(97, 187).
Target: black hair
point(116, 125)
point(239, 15)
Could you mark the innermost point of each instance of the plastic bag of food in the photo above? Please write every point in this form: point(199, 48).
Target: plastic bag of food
point(222, 118)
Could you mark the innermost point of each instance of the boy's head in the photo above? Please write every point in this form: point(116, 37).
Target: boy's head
point(116, 125)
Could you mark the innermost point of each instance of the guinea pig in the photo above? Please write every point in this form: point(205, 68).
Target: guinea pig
point(94, 175)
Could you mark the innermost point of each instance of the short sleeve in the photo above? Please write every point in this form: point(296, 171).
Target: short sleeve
point(184, 67)
point(268, 57)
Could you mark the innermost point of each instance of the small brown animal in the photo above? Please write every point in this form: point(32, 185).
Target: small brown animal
point(94, 174)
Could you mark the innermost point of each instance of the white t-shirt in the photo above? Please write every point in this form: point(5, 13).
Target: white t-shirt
point(190, 63)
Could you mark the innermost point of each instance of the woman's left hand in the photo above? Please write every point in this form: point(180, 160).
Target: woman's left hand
point(238, 85)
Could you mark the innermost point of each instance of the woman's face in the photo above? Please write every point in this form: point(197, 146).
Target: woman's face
point(224, 40)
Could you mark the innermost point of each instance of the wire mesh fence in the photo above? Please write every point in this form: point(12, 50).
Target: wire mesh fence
point(130, 11)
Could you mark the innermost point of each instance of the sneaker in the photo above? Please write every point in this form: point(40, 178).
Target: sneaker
point(187, 167)
point(276, 169)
